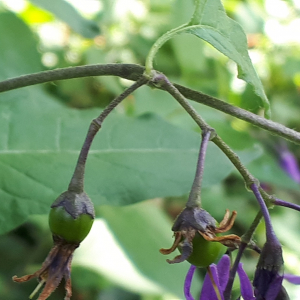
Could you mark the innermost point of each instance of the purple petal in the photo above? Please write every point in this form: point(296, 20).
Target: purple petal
point(223, 268)
point(289, 163)
point(245, 283)
point(274, 288)
point(292, 278)
point(267, 283)
point(188, 282)
point(208, 292)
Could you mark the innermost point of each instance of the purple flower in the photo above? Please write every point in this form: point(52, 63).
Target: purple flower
point(289, 164)
point(188, 282)
point(220, 275)
point(269, 271)
point(292, 278)
point(269, 274)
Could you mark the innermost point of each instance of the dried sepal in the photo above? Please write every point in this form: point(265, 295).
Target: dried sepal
point(56, 266)
point(197, 222)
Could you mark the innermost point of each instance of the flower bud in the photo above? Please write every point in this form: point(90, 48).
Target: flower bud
point(71, 216)
point(269, 271)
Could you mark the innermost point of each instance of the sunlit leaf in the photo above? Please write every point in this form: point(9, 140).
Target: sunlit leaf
point(132, 159)
point(68, 14)
point(211, 24)
point(16, 43)
point(34, 15)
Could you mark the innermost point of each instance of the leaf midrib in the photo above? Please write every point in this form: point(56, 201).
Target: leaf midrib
point(102, 151)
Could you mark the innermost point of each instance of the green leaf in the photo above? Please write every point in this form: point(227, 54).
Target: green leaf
point(211, 24)
point(162, 104)
point(267, 170)
point(131, 159)
point(68, 14)
point(18, 51)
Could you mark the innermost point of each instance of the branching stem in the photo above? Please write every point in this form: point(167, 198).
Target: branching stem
point(280, 202)
point(248, 178)
point(77, 181)
point(133, 72)
point(161, 80)
point(270, 234)
point(246, 239)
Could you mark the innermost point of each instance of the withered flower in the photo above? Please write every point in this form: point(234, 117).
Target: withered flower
point(195, 229)
point(193, 221)
point(56, 266)
point(70, 220)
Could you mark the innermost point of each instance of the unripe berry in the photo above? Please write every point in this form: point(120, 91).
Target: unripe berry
point(71, 216)
point(205, 252)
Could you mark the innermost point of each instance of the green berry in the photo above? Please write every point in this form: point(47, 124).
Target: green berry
point(205, 252)
point(71, 216)
point(65, 226)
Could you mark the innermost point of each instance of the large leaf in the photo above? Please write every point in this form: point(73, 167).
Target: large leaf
point(162, 104)
point(18, 51)
point(132, 159)
point(68, 14)
point(211, 24)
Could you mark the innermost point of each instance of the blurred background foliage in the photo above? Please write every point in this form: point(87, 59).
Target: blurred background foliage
point(120, 258)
